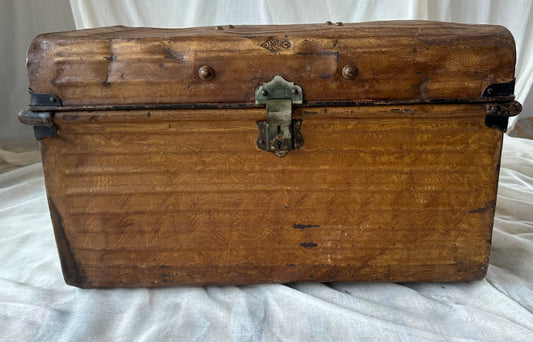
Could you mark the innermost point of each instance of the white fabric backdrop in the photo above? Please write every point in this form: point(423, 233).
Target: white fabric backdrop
point(20, 21)
point(516, 15)
point(36, 305)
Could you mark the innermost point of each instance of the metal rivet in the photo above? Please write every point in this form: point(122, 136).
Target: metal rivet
point(219, 28)
point(328, 23)
point(338, 23)
point(264, 92)
point(206, 73)
point(230, 26)
point(490, 91)
point(349, 72)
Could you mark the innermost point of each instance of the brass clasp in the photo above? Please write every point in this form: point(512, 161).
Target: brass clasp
point(279, 134)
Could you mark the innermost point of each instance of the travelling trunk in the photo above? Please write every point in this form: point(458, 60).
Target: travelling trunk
point(259, 154)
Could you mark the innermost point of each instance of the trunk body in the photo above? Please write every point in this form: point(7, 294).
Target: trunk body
point(156, 176)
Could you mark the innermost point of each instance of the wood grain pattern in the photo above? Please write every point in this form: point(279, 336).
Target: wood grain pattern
point(395, 60)
point(399, 190)
point(167, 197)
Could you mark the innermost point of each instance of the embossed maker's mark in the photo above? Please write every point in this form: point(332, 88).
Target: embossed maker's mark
point(274, 44)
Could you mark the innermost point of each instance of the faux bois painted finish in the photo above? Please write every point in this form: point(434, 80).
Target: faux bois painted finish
point(155, 175)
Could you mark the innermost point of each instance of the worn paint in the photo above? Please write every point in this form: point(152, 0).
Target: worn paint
point(490, 205)
point(305, 226)
point(72, 270)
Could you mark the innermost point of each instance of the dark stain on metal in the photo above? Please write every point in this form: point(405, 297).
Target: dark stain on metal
point(106, 82)
point(72, 270)
point(422, 87)
point(176, 56)
point(405, 110)
point(324, 76)
point(149, 115)
point(126, 224)
point(485, 209)
point(308, 244)
point(321, 53)
point(164, 277)
point(294, 143)
point(305, 226)
point(309, 112)
point(111, 58)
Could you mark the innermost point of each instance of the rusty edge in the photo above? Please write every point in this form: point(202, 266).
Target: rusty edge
point(239, 105)
point(42, 106)
point(496, 93)
point(492, 211)
point(73, 273)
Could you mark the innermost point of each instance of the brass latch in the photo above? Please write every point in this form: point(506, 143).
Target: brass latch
point(279, 134)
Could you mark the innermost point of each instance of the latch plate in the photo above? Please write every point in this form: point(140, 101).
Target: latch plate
point(279, 134)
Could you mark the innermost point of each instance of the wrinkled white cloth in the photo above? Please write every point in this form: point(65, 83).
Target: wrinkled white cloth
point(36, 305)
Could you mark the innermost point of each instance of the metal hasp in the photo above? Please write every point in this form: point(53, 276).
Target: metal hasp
point(279, 134)
point(41, 119)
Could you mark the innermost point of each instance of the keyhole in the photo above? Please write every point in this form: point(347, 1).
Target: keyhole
point(279, 135)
